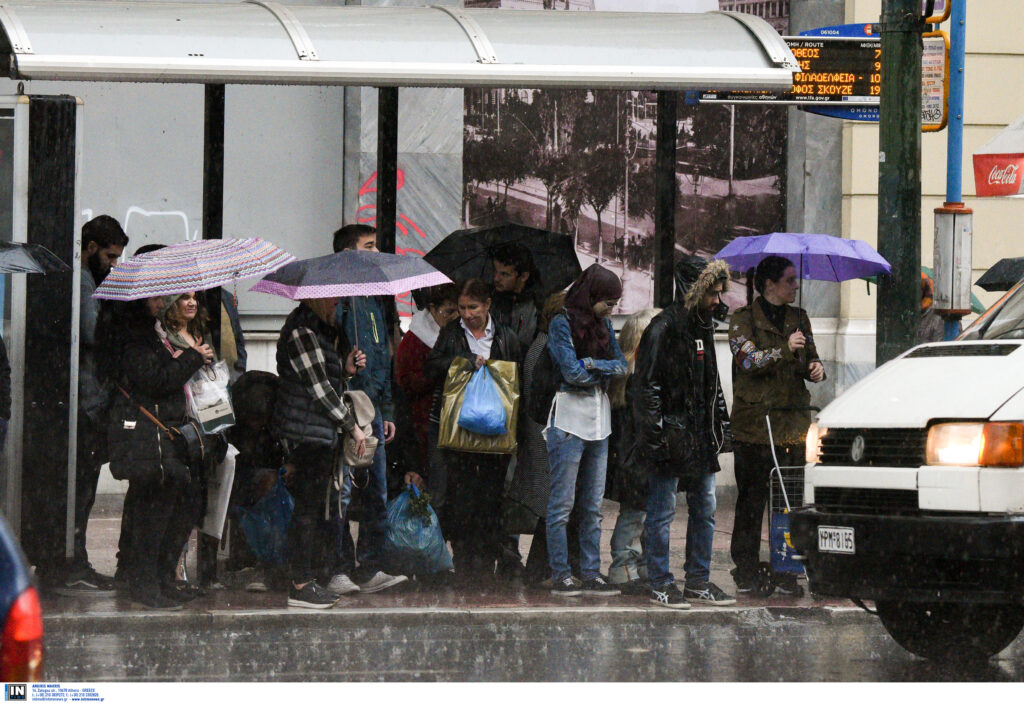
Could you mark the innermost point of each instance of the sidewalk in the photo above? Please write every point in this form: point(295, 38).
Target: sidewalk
point(104, 528)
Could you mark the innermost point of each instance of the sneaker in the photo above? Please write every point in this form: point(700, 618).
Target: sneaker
point(745, 582)
point(669, 597)
point(566, 587)
point(256, 583)
point(786, 585)
point(597, 586)
point(310, 596)
point(341, 585)
point(88, 584)
point(634, 587)
point(178, 595)
point(379, 581)
point(707, 593)
point(157, 601)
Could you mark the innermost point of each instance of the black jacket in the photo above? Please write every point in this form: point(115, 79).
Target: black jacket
point(298, 415)
point(518, 312)
point(679, 420)
point(451, 342)
point(156, 380)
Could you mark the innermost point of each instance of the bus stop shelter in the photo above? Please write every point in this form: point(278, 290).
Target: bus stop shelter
point(263, 42)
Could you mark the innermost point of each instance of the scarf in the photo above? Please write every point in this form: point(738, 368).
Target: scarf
point(425, 327)
point(590, 333)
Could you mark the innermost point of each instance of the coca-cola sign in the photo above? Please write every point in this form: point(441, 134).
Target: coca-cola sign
point(1007, 175)
point(998, 175)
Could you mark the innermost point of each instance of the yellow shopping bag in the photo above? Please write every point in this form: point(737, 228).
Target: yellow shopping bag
point(451, 436)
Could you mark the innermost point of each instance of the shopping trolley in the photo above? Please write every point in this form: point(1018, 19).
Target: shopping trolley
point(785, 492)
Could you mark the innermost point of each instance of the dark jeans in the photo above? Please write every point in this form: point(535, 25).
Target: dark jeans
point(158, 519)
point(473, 513)
point(314, 466)
point(753, 465)
point(91, 455)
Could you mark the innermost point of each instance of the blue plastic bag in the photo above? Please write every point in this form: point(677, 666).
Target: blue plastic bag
point(414, 544)
point(482, 410)
point(265, 525)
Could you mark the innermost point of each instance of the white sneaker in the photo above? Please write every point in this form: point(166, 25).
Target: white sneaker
point(379, 581)
point(342, 585)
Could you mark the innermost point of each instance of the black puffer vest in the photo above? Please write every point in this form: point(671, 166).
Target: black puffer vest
point(298, 416)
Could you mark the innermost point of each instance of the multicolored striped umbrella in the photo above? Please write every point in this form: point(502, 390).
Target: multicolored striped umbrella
point(351, 273)
point(191, 266)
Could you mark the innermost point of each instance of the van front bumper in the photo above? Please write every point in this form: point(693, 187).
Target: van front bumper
point(930, 557)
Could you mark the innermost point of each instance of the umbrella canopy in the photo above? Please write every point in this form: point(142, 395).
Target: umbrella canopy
point(467, 253)
point(191, 266)
point(29, 258)
point(1004, 275)
point(351, 273)
point(998, 165)
point(818, 257)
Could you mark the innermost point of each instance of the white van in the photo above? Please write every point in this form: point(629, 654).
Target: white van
point(914, 491)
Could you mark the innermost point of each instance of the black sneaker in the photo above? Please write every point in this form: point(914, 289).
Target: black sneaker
point(566, 587)
point(786, 585)
point(669, 597)
point(745, 581)
point(87, 584)
point(707, 593)
point(157, 601)
point(634, 587)
point(597, 586)
point(311, 596)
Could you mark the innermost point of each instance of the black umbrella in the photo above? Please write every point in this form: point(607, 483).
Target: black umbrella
point(467, 253)
point(29, 258)
point(1004, 275)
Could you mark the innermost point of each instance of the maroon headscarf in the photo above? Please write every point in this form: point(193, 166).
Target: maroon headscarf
point(590, 334)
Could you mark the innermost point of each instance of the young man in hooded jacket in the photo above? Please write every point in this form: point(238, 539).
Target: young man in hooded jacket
point(681, 425)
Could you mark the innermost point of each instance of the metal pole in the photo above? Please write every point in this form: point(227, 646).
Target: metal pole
point(899, 178)
point(955, 136)
point(665, 199)
point(732, 144)
point(387, 167)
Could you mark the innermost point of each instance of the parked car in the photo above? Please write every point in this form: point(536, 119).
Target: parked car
point(21, 619)
point(914, 491)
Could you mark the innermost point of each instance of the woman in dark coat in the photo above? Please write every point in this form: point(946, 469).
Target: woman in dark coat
point(472, 518)
point(144, 454)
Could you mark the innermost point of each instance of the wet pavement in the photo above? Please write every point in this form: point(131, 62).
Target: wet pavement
point(487, 632)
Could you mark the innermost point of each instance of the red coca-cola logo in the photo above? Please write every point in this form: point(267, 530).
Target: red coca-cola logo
point(1003, 176)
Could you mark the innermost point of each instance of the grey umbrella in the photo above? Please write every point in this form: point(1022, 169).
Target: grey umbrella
point(16, 257)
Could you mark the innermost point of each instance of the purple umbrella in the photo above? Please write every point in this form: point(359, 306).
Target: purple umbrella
point(818, 257)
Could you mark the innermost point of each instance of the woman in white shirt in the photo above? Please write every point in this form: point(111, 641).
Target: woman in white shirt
point(583, 348)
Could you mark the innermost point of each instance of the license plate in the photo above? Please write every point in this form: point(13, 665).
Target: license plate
point(838, 540)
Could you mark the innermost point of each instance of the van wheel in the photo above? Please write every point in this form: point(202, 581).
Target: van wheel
point(947, 630)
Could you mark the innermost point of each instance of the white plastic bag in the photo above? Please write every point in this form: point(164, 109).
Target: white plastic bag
point(218, 494)
point(209, 403)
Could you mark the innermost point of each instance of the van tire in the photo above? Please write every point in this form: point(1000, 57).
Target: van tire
point(947, 630)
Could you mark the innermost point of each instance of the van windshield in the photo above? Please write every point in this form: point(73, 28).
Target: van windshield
point(1004, 320)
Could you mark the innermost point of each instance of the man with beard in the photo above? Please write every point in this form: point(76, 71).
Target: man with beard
point(103, 242)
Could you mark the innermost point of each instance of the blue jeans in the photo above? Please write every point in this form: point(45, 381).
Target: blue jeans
point(373, 526)
point(626, 548)
point(573, 459)
point(700, 529)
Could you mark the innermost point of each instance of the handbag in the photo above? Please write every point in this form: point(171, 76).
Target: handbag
point(209, 402)
point(361, 407)
point(187, 438)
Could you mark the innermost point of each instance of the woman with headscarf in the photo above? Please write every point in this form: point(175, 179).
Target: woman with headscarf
point(584, 350)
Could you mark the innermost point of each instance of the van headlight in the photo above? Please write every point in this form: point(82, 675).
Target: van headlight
point(812, 453)
point(975, 444)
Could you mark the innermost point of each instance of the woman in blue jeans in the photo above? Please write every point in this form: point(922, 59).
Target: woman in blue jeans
point(582, 345)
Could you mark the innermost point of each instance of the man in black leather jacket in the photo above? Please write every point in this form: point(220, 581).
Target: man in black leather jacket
point(681, 424)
